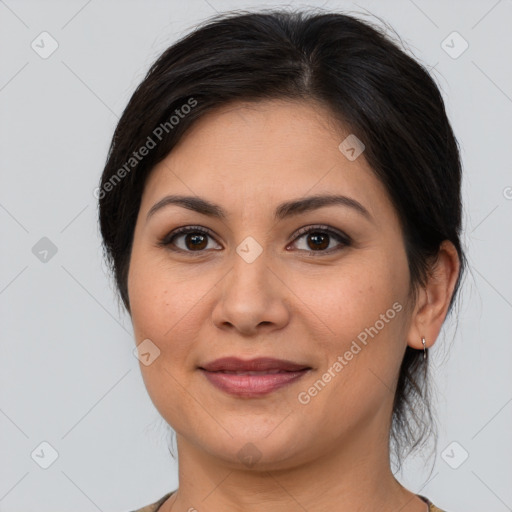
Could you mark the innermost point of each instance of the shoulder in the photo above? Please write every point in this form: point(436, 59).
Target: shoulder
point(431, 506)
point(153, 507)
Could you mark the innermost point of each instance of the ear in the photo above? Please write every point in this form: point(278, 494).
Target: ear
point(434, 299)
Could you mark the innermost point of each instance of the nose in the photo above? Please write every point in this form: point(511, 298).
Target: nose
point(253, 298)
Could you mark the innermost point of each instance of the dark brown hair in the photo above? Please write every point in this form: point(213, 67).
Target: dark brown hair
point(384, 96)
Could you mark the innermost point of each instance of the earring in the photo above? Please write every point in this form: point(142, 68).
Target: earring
point(424, 348)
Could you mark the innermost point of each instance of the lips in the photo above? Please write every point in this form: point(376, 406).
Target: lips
point(261, 364)
point(252, 378)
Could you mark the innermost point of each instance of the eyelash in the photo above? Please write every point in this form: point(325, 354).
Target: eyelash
point(168, 240)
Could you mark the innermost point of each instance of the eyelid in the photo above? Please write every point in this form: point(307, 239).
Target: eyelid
point(322, 228)
point(341, 237)
point(166, 241)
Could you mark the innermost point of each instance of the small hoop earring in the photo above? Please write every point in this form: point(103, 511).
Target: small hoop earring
point(424, 348)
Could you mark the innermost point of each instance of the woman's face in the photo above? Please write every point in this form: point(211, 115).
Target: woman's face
point(253, 287)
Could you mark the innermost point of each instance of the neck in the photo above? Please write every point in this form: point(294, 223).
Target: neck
point(352, 475)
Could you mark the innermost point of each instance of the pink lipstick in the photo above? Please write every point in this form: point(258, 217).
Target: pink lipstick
point(252, 378)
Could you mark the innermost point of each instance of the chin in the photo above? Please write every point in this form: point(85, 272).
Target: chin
point(270, 450)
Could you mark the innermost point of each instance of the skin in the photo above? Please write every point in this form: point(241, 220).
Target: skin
point(292, 303)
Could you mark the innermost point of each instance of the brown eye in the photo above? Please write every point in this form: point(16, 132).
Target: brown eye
point(188, 239)
point(319, 238)
point(195, 241)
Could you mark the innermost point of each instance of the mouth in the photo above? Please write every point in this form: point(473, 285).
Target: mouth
point(244, 372)
point(252, 378)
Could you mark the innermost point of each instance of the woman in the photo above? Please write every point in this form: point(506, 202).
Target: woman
point(281, 210)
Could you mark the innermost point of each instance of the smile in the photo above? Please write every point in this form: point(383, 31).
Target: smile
point(252, 383)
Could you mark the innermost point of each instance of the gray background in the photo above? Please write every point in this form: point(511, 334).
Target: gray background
point(68, 376)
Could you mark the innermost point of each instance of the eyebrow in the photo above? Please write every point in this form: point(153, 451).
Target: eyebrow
point(284, 210)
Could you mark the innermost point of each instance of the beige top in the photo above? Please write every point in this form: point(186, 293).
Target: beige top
point(155, 506)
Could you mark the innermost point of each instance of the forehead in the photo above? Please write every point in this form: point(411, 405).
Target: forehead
point(276, 150)
point(262, 129)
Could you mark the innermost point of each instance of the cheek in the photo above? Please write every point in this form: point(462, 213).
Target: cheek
point(347, 300)
point(162, 310)
point(359, 312)
point(149, 291)
point(166, 302)
point(148, 300)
